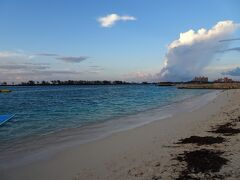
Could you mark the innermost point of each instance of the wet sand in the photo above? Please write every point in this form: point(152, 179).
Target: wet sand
point(152, 151)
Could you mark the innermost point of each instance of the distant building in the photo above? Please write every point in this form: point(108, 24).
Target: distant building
point(200, 79)
point(224, 80)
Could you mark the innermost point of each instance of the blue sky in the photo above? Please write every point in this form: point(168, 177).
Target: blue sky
point(128, 50)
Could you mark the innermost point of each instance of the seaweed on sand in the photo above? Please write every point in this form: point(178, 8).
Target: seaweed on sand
point(237, 119)
point(186, 176)
point(226, 129)
point(201, 161)
point(206, 140)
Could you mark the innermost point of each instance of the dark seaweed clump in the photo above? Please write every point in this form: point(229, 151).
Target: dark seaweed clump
point(156, 178)
point(226, 130)
point(186, 176)
point(206, 140)
point(237, 119)
point(202, 161)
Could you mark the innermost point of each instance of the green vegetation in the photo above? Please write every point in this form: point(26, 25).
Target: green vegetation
point(71, 82)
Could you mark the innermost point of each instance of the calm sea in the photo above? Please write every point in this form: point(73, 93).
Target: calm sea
point(44, 110)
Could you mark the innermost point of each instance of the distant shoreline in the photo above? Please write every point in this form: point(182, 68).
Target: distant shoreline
point(234, 85)
point(78, 85)
point(84, 83)
point(179, 84)
point(202, 85)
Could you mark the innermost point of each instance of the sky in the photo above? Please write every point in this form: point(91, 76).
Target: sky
point(127, 40)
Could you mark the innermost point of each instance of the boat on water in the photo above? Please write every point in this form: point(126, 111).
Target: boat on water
point(4, 118)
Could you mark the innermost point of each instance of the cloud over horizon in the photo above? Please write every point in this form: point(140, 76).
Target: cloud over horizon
point(17, 66)
point(24, 66)
point(69, 59)
point(232, 49)
point(111, 19)
point(232, 39)
point(72, 59)
point(11, 55)
point(47, 54)
point(233, 72)
point(187, 56)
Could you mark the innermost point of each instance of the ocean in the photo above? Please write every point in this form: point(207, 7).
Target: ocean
point(50, 114)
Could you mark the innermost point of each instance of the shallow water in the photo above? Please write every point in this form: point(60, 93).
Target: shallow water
point(66, 115)
point(41, 110)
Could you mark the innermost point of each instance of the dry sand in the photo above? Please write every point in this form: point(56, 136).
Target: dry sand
point(147, 152)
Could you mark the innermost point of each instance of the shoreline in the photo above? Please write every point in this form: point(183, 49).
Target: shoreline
point(49, 144)
point(213, 85)
point(123, 154)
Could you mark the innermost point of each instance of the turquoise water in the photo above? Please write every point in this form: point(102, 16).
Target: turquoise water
point(48, 109)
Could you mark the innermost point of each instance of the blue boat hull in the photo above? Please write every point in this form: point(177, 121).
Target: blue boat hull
point(5, 118)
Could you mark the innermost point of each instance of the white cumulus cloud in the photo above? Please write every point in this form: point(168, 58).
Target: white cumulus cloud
point(111, 19)
point(194, 50)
